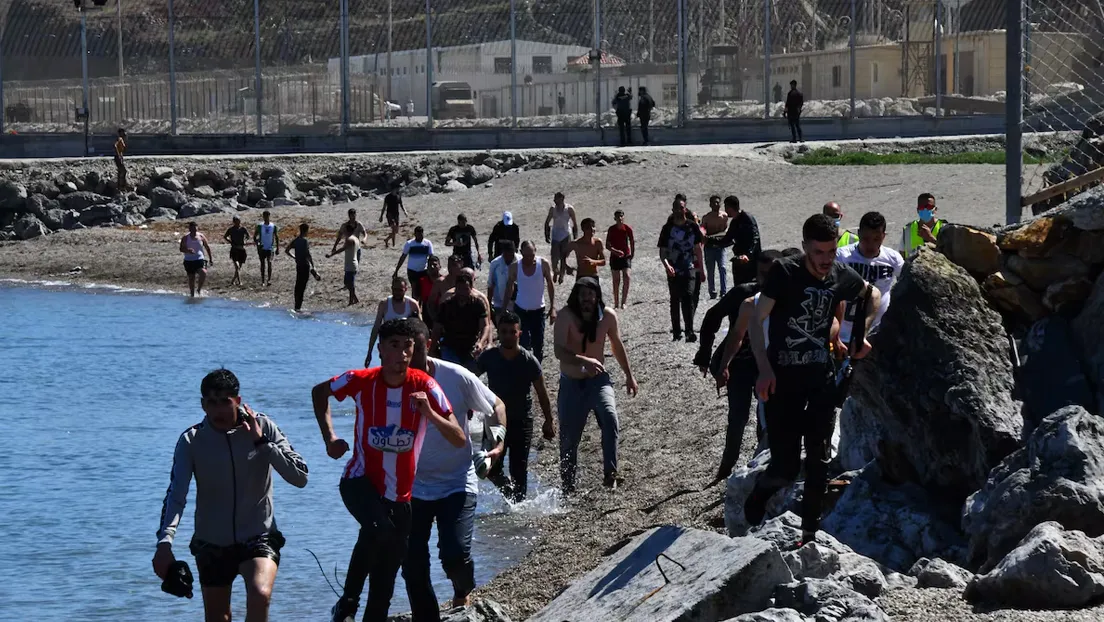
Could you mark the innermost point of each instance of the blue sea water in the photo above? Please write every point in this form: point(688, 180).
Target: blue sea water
point(95, 388)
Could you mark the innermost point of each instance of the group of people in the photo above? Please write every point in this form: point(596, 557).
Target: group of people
point(795, 317)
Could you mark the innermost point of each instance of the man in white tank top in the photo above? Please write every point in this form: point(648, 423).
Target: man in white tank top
point(397, 306)
point(267, 238)
point(560, 229)
point(525, 285)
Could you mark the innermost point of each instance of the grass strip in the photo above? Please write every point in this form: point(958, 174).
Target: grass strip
point(830, 157)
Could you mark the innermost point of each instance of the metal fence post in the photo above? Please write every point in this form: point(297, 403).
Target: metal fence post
point(429, 66)
point(851, 50)
point(939, 84)
point(258, 85)
point(344, 67)
point(84, 75)
point(1013, 110)
point(766, 59)
point(2, 115)
point(682, 49)
point(513, 64)
point(172, 71)
point(597, 7)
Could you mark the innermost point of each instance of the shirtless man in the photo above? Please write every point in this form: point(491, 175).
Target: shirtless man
point(442, 286)
point(590, 253)
point(715, 223)
point(581, 330)
point(392, 203)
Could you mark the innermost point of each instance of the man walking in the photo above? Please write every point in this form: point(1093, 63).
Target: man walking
point(876, 263)
point(581, 331)
point(231, 454)
point(194, 245)
point(121, 184)
point(525, 287)
point(511, 372)
point(461, 237)
point(622, 105)
point(505, 230)
point(397, 306)
point(716, 225)
point(236, 236)
point(925, 229)
point(304, 263)
point(351, 227)
point(588, 249)
point(835, 212)
point(796, 374)
point(795, 101)
point(622, 246)
point(392, 203)
point(416, 254)
point(463, 328)
point(644, 106)
point(352, 266)
point(743, 237)
point(499, 276)
point(561, 102)
point(680, 252)
point(395, 406)
point(446, 487)
point(267, 238)
point(560, 229)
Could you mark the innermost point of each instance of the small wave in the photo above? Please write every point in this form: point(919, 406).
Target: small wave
point(54, 284)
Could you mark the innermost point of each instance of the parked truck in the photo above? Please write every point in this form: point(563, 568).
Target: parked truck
point(452, 100)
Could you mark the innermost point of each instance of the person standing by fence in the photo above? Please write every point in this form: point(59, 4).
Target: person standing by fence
point(644, 106)
point(120, 166)
point(795, 101)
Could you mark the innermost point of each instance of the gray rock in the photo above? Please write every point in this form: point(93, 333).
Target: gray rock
point(67, 187)
point(1084, 211)
point(1051, 375)
point(278, 187)
point(812, 561)
point(1057, 476)
point(828, 601)
point(136, 204)
point(312, 201)
point(204, 192)
point(453, 185)
point(770, 615)
point(860, 434)
point(480, 174)
point(784, 532)
point(162, 172)
point(163, 197)
point(82, 200)
point(30, 227)
point(947, 427)
point(39, 204)
point(251, 195)
point(893, 525)
point(55, 218)
point(172, 183)
point(481, 610)
point(100, 214)
point(198, 207)
point(44, 187)
point(269, 172)
point(448, 175)
point(161, 213)
point(1050, 569)
point(940, 574)
point(129, 219)
point(94, 182)
point(214, 178)
point(1088, 329)
point(739, 486)
point(282, 202)
point(720, 578)
point(861, 574)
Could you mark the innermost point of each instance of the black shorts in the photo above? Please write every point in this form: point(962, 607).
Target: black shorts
point(218, 565)
point(238, 255)
point(350, 279)
point(263, 254)
point(392, 221)
point(194, 266)
point(620, 263)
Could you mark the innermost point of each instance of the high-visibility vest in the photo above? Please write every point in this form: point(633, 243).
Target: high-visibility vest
point(911, 240)
point(846, 239)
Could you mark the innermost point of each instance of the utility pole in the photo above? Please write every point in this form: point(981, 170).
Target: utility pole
point(84, 74)
point(345, 68)
point(721, 38)
point(389, 31)
point(429, 65)
point(172, 72)
point(258, 84)
point(651, 31)
point(119, 35)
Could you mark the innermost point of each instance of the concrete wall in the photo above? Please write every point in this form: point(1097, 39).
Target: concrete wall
point(701, 132)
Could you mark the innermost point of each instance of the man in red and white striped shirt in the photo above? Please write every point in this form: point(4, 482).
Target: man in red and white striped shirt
point(393, 404)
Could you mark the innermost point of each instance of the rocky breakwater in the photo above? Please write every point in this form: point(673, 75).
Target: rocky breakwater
point(36, 201)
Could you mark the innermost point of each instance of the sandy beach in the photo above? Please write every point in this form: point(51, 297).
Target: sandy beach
point(671, 434)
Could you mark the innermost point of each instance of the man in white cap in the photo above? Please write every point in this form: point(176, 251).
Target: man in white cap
point(503, 230)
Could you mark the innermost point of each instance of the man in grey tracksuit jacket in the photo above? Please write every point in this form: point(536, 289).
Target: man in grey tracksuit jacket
point(231, 454)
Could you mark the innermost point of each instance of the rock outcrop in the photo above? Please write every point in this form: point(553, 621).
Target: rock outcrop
point(939, 381)
point(481, 610)
point(709, 577)
point(828, 601)
point(1057, 476)
point(938, 573)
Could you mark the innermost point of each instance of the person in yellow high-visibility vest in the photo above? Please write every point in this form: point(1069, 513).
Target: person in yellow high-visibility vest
point(835, 212)
point(924, 229)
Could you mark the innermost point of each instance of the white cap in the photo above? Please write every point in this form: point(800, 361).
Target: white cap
point(507, 218)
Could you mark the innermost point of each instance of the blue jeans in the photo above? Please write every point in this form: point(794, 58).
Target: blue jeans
point(717, 257)
point(575, 401)
point(532, 330)
point(455, 516)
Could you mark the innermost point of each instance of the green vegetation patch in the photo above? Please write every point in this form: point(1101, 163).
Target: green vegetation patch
point(831, 157)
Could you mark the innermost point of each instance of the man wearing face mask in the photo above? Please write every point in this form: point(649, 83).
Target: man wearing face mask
point(231, 454)
point(835, 212)
point(923, 230)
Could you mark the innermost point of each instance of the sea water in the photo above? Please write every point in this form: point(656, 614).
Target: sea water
point(96, 386)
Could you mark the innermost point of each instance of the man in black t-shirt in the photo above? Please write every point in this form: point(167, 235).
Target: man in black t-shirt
point(680, 252)
point(796, 372)
point(392, 203)
point(299, 250)
point(460, 237)
point(236, 235)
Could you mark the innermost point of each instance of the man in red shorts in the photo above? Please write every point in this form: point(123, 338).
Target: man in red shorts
point(621, 245)
point(393, 404)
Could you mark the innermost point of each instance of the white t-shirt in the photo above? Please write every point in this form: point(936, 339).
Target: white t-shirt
point(444, 470)
point(881, 272)
point(500, 272)
point(352, 245)
point(417, 254)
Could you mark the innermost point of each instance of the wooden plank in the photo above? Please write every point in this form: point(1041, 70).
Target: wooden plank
point(1065, 186)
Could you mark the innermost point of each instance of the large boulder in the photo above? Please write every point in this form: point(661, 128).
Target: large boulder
point(39, 204)
point(739, 486)
point(163, 197)
point(30, 227)
point(57, 218)
point(973, 249)
point(278, 187)
point(1057, 476)
point(480, 174)
point(209, 177)
point(774, 614)
point(13, 196)
point(937, 573)
point(82, 200)
point(1050, 375)
point(199, 207)
point(100, 214)
point(481, 610)
point(712, 577)
point(828, 601)
point(1088, 329)
point(939, 381)
point(1051, 568)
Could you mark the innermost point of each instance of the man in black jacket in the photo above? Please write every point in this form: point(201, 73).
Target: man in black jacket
point(644, 106)
point(795, 101)
point(504, 230)
point(622, 105)
point(743, 237)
